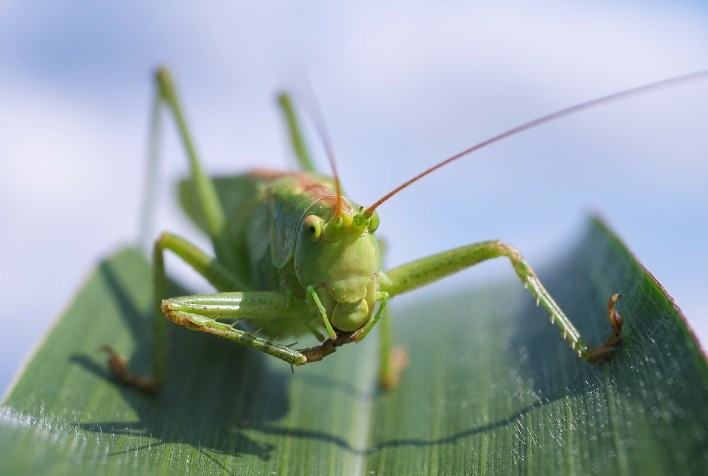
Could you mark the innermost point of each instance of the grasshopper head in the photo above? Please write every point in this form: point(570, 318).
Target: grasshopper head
point(339, 257)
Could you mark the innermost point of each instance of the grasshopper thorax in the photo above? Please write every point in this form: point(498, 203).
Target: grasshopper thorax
point(339, 257)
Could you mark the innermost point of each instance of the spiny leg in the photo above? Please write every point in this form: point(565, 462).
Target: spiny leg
point(295, 132)
point(213, 212)
point(421, 272)
point(205, 265)
point(201, 313)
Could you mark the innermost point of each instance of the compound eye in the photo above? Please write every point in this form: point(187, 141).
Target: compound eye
point(313, 227)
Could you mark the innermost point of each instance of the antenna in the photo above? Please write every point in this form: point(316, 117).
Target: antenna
point(697, 76)
point(318, 120)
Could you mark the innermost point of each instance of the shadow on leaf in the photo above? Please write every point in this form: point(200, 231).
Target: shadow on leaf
point(213, 387)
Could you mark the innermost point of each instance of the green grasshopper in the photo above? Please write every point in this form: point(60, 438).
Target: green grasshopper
point(296, 256)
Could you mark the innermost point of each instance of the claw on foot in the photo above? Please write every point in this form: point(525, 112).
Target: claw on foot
point(119, 366)
point(616, 321)
point(615, 318)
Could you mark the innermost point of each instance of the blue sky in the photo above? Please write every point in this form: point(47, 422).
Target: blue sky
point(401, 84)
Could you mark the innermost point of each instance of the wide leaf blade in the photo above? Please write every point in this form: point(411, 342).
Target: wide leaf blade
point(491, 388)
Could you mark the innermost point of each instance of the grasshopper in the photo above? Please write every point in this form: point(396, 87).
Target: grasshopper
point(295, 256)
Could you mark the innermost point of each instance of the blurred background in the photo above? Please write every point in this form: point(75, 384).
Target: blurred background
point(402, 84)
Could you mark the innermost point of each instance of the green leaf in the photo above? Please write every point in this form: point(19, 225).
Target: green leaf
point(491, 388)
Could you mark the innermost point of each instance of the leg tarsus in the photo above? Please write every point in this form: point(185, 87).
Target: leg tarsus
point(604, 351)
point(119, 366)
point(615, 317)
point(319, 352)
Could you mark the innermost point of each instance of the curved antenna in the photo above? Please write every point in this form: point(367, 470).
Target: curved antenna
point(318, 120)
point(699, 75)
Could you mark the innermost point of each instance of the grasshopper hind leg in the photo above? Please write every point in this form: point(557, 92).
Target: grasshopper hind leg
point(216, 271)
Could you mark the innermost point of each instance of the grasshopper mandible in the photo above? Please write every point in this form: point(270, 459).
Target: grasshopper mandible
point(295, 255)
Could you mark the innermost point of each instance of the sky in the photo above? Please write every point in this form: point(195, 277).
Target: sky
point(401, 85)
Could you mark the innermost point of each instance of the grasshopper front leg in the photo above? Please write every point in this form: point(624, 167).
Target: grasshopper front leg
point(421, 272)
point(205, 313)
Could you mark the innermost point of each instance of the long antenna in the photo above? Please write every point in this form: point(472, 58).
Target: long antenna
point(318, 120)
point(699, 75)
